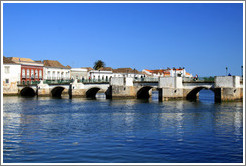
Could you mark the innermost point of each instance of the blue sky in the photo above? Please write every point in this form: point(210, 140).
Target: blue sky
point(205, 38)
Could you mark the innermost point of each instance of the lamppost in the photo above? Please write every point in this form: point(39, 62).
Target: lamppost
point(226, 70)
point(242, 70)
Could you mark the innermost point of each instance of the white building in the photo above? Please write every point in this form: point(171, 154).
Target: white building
point(103, 75)
point(106, 73)
point(10, 76)
point(54, 70)
point(79, 73)
point(180, 72)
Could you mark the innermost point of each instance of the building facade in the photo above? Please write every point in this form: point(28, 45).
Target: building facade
point(10, 76)
point(102, 75)
point(54, 70)
point(31, 71)
point(105, 73)
point(179, 72)
point(79, 73)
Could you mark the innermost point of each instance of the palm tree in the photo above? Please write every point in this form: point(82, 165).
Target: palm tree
point(98, 64)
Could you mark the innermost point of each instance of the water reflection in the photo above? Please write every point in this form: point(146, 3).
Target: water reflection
point(82, 130)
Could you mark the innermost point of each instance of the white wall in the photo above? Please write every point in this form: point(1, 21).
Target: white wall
point(78, 73)
point(95, 74)
point(227, 81)
point(14, 72)
point(13, 76)
point(57, 73)
point(170, 82)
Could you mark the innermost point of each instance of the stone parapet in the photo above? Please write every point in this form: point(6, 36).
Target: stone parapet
point(226, 82)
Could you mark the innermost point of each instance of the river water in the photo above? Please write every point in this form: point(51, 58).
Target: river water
point(49, 130)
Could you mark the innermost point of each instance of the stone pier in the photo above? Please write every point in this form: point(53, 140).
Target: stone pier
point(122, 88)
point(170, 88)
point(228, 88)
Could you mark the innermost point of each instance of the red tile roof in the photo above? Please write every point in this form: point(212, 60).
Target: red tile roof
point(126, 70)
point(7, 61)
point(52, 63)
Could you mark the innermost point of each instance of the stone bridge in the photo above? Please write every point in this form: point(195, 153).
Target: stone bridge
point(225, 88)
point(57, 90)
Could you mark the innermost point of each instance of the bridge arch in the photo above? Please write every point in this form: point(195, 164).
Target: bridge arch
point(192, 95)
point(143, 93)
point(27, 91)
point(91, 93)
point(57, 91)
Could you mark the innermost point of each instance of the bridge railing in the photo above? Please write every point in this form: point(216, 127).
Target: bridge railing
point(146, 79)
point(57, 81)
point(27, 83)
point(199, 79)
point(93, 81)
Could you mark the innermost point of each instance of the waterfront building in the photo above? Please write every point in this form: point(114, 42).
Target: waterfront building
point(78, 73)
point(104, 74)
point(156, 73)
point(11, 76)
point(31, 71)
point(54, 70)
point(180, 72)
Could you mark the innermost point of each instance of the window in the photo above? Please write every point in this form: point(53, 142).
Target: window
point(53, 75)
point(7, 81)
point(58, 75)
point(27, 73)
point(23, 73)
point(32, 73)
point(36, 73)
point(6, 68)
point(62, 75)
point(40, 73)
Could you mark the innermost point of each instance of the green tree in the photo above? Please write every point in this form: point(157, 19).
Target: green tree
point(98, 64)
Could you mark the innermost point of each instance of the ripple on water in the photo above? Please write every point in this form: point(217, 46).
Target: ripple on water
point(47, 130)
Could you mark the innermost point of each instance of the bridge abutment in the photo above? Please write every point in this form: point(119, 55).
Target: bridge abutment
point(43, 89)
point(170, 88)
point(122, 88)
point(77, 89)
point(228, 88)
